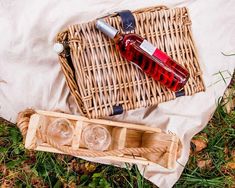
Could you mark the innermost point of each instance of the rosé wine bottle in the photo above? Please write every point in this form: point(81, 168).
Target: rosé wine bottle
point(148, 58)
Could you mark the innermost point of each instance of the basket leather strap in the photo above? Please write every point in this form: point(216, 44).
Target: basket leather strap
point(180, 93)
point(117, 109)
point(128, 20)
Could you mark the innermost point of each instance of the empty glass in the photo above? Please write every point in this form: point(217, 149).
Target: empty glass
point(61, 131)
point(96, 137)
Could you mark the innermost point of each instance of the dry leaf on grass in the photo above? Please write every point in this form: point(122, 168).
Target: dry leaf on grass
point(3, 170)
point(70, 185)
point(204, 163)
point(37, 182)
point(229, 100)
point(7, 183)
point(199, 143)
point(226, 150)
point(231, 165)
point(90, 167)
point(82, 168)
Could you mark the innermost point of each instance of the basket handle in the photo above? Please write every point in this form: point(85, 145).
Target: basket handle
point(68, 70)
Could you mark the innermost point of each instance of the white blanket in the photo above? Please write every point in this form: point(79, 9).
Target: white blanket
point(30, 74)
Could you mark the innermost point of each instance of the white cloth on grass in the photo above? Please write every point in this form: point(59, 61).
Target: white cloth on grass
point(30, 74)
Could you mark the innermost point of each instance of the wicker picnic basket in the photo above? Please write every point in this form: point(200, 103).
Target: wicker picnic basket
point(103, 83)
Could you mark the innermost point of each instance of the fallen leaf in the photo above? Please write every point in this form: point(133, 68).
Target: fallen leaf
point(204, 163)
point(3, 170)
point(6, 183)
point(229, 100)
point(226, 150)
point(199, 143)
point(70, 185)
point(37, 182)
point(60, 157)
point(90, 167)
point(231, 165)
point(73, 166)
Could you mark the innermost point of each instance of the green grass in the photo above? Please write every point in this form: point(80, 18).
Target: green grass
point(23, 168)
point(221, 137)
point(220, 133)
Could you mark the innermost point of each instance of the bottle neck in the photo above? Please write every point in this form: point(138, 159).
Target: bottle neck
point(106, 28)
point(118, 37)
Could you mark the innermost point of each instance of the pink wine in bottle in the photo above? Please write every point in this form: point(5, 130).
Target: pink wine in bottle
point(150, 59)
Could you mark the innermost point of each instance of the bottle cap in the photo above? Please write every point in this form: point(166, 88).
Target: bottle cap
point(106, 28)
point(58, 48)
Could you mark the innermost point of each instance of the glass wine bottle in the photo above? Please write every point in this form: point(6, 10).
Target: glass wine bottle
point(150, 59)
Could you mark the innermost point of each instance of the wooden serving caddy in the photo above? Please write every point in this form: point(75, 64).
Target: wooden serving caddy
point(131, 143)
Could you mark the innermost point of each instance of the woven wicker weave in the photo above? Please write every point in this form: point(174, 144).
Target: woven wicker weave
point(100, 79)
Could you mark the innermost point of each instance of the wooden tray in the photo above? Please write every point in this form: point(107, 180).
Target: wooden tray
point(130, 143)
